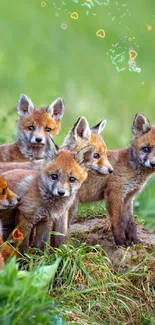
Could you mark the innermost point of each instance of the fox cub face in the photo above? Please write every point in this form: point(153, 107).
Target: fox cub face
point(143, 141)
point(34, 124)
point(82, 135)
point(8, 199)
point(63, 171)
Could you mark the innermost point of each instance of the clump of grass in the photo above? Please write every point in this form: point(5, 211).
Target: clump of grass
point(91, 291)
point(88, 286)
point(88, 210)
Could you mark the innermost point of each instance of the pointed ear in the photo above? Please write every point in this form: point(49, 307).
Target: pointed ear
point(81, 129)
point(98, 128)
point(141, 125)
point(24, 106)
point(51, 150)
point(56, 109)
point(85, 156)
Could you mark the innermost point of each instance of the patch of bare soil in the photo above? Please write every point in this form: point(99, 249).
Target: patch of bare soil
point(96, 231)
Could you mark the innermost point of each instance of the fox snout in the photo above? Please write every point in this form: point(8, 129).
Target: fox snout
point(103, 167)
point(60, 192)
point(150, 163)
point(37, 140)
point(12, 199)
point(108, 166)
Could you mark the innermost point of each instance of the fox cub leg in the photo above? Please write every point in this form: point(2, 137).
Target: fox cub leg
point(61, 225)
point(131, 228)
point(42, 234)
point(123, 225)
point(116, 209)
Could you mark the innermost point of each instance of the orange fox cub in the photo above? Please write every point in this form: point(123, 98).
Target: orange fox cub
point(33, 126)
point(8, 200)
point(132, 168)
point(48, 194)
point(80, 136)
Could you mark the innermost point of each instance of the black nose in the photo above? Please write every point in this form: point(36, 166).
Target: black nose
point(38, 140)
point(110, 171)
point(152, 164)
point(61, 193)
point(18, 199)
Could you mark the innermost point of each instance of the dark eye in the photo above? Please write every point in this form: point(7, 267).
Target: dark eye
point(54, 176)
point(72, 179)
point(146, 149)
point(48, 129)
point(96, 155)
point(31, 127)
point(3, 191)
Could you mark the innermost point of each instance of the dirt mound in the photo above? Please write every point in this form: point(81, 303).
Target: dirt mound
point(96, 231)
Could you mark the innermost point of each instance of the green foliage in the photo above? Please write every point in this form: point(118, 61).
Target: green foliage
point(22, 298)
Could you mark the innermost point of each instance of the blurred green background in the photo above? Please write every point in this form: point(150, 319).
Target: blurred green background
point(45, 54)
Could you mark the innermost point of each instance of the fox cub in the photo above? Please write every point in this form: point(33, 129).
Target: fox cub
point(48, 194)
point(132, 168)
point(8, 200)
point(82, 135)
point(33, 126)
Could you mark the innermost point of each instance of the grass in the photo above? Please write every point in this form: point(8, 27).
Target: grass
point(45, 61)
point(84, 288)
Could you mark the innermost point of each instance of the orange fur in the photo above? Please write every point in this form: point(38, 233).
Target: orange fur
point(1, 261)
point(40, 118)
point(66, 164)
point(33, 126)
point(7, 251)
point(7, 196)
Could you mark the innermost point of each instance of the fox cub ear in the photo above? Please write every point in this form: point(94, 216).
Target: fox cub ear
point(24, 106)
point(98, 128)
point(51, 150)
point(56, 109)
point(81, 129)
point(141, 125)
point(85, 156)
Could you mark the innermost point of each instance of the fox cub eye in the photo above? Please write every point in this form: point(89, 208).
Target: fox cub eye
point(3, 191)
point(31, 127)
point(72, 179)
point(96, 155)
point(54, 176)
point(146, 149)
point(48, 129)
